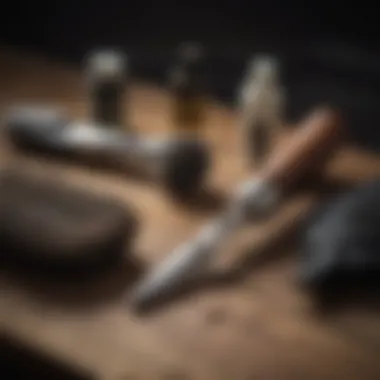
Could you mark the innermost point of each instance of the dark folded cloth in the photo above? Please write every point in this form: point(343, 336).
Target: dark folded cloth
point(342, 244)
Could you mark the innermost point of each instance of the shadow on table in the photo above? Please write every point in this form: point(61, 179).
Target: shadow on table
point(79, 291)
point(20, 362)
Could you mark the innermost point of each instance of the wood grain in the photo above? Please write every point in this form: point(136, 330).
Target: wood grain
point(250, 321)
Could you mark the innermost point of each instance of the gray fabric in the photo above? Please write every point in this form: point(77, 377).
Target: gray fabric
point(342, 244)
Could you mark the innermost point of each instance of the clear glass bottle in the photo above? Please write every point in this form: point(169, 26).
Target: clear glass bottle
point(105, 72)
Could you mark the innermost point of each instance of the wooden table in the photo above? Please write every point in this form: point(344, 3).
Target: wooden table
point(259, 325)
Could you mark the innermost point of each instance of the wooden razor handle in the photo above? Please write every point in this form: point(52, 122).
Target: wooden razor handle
point(314, 140)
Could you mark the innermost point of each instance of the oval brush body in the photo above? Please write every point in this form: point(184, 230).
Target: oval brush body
point(52, 228)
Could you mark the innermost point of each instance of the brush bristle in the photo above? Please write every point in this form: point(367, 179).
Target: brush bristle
point(188, 162)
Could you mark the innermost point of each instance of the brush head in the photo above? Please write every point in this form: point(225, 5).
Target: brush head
point(186, 163)
point(36, 128)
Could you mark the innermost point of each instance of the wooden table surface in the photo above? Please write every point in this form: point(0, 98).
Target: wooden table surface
point(258, 325)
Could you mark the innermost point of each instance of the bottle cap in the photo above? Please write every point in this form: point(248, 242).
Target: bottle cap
point(263, 69)
point(106, 64)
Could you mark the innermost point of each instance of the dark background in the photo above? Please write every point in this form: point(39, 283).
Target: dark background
point(328, 51)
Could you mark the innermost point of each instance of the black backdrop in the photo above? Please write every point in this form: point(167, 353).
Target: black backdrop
point(328, 51)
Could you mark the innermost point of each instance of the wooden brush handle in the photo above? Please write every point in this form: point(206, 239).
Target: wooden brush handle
point(313, 141)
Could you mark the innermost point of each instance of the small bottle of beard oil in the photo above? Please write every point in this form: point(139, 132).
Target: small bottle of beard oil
point(186, 87)
point(261, 104)
point(106, 71)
